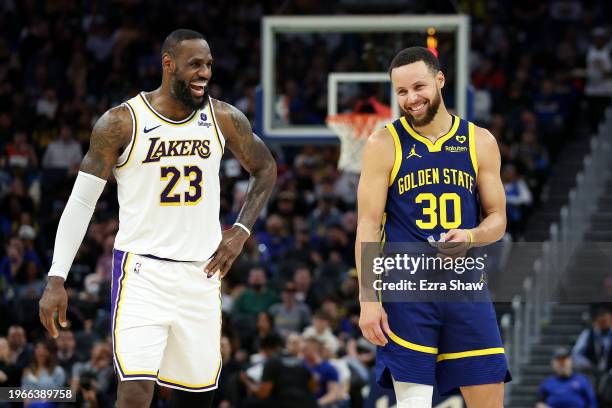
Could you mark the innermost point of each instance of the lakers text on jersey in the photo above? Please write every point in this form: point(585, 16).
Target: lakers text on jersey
point(168, 184)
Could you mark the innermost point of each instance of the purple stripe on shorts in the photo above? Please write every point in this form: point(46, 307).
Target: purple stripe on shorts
point(188, 388)
point(154, 377)
point(115, 291)
point(117, 258)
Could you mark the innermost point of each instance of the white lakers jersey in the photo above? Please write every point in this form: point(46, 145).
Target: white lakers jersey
point(168, 184)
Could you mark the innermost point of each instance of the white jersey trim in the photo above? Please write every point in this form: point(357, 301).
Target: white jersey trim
point(218, 132)
point(124, 158)
point(162, 117)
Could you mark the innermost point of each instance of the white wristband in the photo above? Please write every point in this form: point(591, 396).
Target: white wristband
point(74, 221)
point(243, 227)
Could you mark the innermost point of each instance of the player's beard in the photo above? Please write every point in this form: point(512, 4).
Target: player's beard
point(432, 110)
point(182, 92)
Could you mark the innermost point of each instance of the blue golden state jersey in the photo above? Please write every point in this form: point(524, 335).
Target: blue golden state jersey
point(432, 188)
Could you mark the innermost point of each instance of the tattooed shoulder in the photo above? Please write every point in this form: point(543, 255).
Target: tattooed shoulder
point(111, 133)
point(113, 129)
point(231, 120)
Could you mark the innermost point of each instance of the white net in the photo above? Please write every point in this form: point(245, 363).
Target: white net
point(353, 129)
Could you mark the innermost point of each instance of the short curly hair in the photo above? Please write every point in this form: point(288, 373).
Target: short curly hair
point(415, 54)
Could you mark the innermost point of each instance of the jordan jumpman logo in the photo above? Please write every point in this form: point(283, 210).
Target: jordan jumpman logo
point(413, 153)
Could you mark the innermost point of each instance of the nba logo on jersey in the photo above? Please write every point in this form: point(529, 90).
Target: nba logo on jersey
point(137, 267)
point(203, 119)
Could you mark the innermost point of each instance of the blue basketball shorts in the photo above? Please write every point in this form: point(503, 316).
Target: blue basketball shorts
point(450, 344)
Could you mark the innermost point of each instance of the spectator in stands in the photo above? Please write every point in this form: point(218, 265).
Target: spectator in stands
point(10, 374)
point(276, 237)
point(264, 327)
point(64, 153)
point(329, 393)
point(361, 356)
point(566, 388)
point(326, 213)
point(47, 104)
point(321, 330)
point(290, 315)
point(294, 345)
point(331, 307)
point(337, 240)
point(94, 283)
point(518, 198)
point(13, 260)
point(43, 372)
point(344, 375)
point(532, 156)
point(20, 153)
point(255, 299)
point(20, 350)
point(27, 235)
point(13, 204)
point(300, 253)
point(285, 382)
point(96, 374)
point(29, 280)
point(598, 87)
point(66, 350)
point(302, 277)
point(228, 393)
point(549, 109)
point(592, 352)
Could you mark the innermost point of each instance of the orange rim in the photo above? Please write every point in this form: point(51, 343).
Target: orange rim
point(363, 124)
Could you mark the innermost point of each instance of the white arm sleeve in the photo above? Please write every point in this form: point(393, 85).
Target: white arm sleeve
point(74, 221)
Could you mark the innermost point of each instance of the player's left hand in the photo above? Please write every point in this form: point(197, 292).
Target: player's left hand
point(229, 248)
point(456, 243)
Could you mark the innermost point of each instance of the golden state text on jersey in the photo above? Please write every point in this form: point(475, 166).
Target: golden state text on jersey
point(432, 188)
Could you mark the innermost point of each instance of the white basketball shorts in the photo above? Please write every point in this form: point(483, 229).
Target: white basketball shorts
point(166, 322)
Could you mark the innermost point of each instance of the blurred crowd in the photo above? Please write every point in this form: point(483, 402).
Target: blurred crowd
point(582, 375)
point(290, 300)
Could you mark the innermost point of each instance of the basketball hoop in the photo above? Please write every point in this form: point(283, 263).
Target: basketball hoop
point(353, 129)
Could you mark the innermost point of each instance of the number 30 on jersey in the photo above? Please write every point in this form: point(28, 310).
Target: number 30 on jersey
point(192, 196)
point(432, 217)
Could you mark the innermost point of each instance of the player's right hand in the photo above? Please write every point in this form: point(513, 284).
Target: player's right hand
point(54, 299)
point(373, 323)
point(231, 244)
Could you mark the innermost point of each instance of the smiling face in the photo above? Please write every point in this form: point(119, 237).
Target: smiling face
point(418, 91)
point(190, 70)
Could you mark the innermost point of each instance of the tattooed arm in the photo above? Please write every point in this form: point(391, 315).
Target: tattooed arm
point(255, 157)
point(111, 133)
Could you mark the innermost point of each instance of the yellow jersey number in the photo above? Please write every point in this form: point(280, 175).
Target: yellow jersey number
point(431, 219)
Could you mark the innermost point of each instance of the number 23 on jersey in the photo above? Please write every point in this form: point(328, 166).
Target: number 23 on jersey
point(171, 174)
